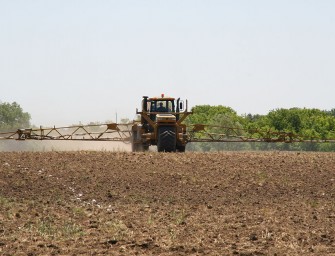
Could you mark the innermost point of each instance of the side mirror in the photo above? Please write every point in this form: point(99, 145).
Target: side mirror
point(181, 106)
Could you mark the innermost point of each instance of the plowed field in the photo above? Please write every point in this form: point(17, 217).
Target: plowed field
point(119, 203)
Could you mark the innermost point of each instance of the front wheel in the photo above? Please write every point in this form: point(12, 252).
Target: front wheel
point(181, 148)
point(135, 145)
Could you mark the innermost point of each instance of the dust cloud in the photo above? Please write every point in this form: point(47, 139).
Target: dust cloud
point(42, 146)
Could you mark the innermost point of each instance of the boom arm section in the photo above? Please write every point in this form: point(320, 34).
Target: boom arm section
point(94, 132)
point(216, 133)
point(123, 132)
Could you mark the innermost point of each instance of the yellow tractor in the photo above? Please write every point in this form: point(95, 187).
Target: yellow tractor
point(161, 125)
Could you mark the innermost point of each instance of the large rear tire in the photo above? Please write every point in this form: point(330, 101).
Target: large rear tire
point(166, 139)
point(135, 146)
point(181, 148)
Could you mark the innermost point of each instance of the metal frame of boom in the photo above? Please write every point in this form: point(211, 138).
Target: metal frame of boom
point(98, 132)
point(122, 133)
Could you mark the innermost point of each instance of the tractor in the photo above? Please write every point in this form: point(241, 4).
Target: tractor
point(160, 124)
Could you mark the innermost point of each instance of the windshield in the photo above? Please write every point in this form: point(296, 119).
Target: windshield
point(161, 106)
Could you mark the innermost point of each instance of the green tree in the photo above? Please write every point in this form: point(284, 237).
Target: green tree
point(331, 112)
point(204, 114)
point(12, 117)
point(215, 115)
point(308, 124)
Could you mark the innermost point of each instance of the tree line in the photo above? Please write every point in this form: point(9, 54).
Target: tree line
point(305, 123)
point(13, 117)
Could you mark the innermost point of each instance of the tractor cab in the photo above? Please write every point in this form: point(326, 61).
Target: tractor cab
point(163, 108)
point(161, 105)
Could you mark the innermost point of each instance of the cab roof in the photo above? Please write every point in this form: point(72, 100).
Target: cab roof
point(161, 98)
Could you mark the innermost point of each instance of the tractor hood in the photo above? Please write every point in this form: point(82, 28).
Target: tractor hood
point(165, 118)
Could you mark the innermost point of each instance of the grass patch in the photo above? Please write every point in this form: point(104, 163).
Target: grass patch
point(79, 212)
point(262, 177)
point(47, 228)
point(5, 203)
point(179, 217)
point(117, 230)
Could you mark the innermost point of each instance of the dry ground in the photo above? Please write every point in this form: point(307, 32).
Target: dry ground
point(113, 203)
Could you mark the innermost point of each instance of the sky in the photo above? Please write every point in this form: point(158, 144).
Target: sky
point(71, 61)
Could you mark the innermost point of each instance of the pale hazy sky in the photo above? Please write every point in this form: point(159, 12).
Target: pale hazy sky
point(66, 61)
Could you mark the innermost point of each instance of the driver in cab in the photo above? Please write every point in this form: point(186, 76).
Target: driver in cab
point(161, 108)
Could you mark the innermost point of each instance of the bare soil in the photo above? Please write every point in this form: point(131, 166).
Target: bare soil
point(120, 203)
